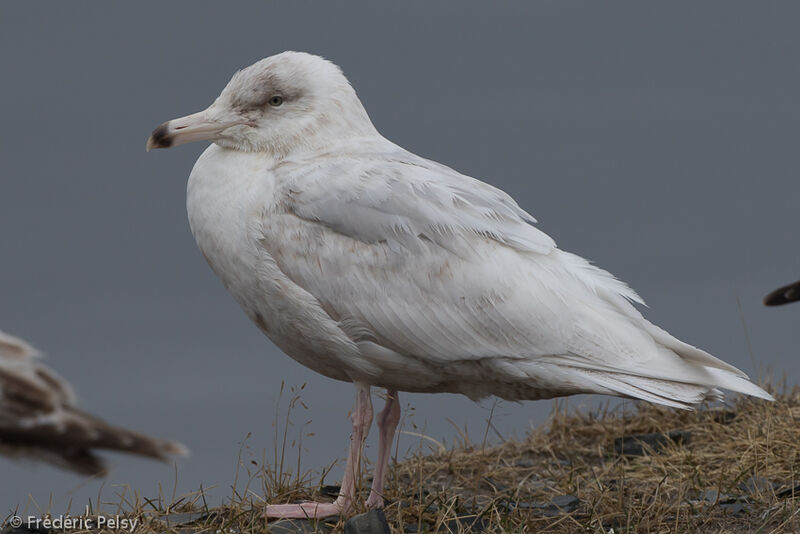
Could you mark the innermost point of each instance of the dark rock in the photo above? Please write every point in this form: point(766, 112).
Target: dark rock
point(467, 523)
point(330, 491)
point(566, 503)
point(182, 519)
point(561, 504)
point(24, 530)
point(789, 492)
point(497, 486)
point(524, 463)
point(757, 485)
point(713, 496)
point(641, 444)
point(413, 528)
point(736, 508)
point(373, 522)
point(298, 526)
point(432, 508)
point(724, 417)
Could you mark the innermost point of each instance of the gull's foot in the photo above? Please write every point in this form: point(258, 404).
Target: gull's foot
point(374, 501)
point(305, 510)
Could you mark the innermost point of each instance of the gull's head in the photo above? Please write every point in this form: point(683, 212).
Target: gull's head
point(282, 103)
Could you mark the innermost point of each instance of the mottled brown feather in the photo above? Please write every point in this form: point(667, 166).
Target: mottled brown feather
point(39, 418)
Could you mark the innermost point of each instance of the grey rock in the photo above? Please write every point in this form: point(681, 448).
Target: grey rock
point(789, 492)
point(757, 485)
point(713, 496)
point(182, 519)
point(736, 508)
point(330, 491)
point(373, 522)
point(468, 523)
point(524, 463)
point(561, 504)
point(298, 526)
point(498, 486)
point(23, 530)
point(724, 417)
point(566, 503)
point(641, 444)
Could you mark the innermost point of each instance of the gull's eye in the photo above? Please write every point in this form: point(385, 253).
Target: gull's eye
point(275, 101)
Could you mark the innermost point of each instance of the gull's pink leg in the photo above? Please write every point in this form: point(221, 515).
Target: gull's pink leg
point(387, 424)
point(362, 419)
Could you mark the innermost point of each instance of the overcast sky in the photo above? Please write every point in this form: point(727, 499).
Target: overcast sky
point(658, 140)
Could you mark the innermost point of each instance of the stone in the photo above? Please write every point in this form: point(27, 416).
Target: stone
point(330, 491)
point(789, 492)
point(524, 463)
point(24, 530)
point(182, 519)
point(561, 504)
point(566, 503)
point(641, 444)
point(467, 523)
point(298, 526)
point(756, 484)
point(736, 508)
point(373, 522)
point(712, 496)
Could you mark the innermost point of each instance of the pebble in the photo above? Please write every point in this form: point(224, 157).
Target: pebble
point(469, 523)
point(373, 522)
point(756, 484)
point(641, 444)
point(524, 463)
point(298, 526)
point(561, 504)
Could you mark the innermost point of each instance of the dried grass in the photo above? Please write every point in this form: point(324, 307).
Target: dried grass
point(664, 492)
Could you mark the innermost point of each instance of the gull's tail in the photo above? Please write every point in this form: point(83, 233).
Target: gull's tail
point(612, 349)
point(69, 439)
point(676, 374)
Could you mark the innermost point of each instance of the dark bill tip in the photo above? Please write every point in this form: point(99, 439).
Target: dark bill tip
point(160, 138)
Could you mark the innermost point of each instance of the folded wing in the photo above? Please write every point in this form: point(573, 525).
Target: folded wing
point(427, 269)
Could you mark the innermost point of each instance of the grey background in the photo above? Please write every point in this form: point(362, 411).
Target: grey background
point(659, 140)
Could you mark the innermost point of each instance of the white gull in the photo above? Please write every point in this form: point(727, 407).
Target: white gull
point(372, 265)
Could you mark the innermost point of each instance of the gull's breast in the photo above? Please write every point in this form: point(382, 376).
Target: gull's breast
point(228, 197)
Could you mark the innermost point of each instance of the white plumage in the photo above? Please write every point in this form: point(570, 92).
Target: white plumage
point(372, 265)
